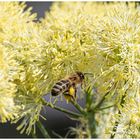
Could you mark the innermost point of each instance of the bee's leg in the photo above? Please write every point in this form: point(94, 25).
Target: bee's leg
point(66, 92)
point(73, 98)
point(75, 93)
point(55, 100)
point(61, 97)
point(50, 100)
point(67, 96)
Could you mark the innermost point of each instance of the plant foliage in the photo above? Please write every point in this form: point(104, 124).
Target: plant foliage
point(97, 38)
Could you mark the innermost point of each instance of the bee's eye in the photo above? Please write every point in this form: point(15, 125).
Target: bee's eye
point(82, 76)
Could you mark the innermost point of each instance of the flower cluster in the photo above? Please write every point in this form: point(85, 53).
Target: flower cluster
point(105, 44)
point(20, 90)
point(8, 109)
point(97, 38)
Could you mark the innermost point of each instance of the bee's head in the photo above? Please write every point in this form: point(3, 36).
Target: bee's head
point(81, 75)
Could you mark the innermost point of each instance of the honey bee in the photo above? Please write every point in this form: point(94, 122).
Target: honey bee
point(68, 86)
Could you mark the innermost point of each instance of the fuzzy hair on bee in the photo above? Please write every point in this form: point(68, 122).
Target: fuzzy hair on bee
point(68, 86)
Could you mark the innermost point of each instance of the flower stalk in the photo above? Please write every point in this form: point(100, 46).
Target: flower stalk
point(42, 129)
point(68, 112)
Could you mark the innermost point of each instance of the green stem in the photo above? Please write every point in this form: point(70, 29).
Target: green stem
point(65, 111)
point(76, 115)
point(101, 101)
point(33, 135)
point(43, 130)
point(100, 109)
point(78, 107)
point(92, 124)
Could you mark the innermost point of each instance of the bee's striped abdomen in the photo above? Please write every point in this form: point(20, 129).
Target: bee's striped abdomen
point(60, 87)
